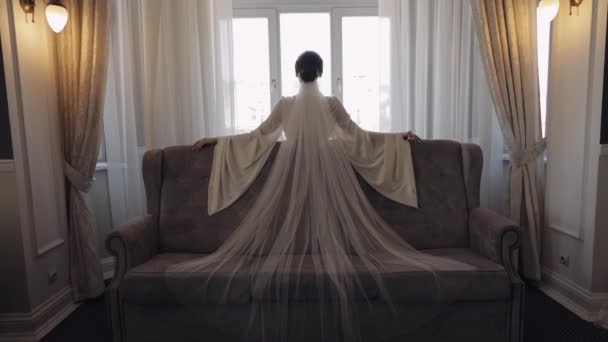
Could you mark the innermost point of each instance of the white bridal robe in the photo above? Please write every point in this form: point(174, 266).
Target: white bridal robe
point(384, 160)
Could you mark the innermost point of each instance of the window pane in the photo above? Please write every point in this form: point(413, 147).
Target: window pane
point(360, 67)
point(251, 72)
point(301, 32)
point(543, 33)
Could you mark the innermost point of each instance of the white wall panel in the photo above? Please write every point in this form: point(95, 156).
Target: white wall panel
point(30, 78)
point(567, 107)
point(39, 118)
point(574, 176)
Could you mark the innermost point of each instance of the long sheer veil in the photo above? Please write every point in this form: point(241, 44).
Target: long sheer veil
point(310, 237)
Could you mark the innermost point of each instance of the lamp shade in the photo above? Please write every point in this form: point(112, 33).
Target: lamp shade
point(56, 16)
point(547, 10)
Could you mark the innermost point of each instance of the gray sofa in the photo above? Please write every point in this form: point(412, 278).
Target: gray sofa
point(483, 304)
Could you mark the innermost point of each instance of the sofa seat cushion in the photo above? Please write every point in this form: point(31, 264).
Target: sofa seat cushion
point(155, 283)
point(459, 275)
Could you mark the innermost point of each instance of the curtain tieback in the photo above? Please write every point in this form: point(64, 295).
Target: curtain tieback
point(521, 157)
point(77, 178)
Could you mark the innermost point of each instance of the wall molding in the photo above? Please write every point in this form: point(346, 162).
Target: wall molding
point(580, 301)
point(42, 250)
point(34, 325)
point(575, 234)
point(7, 166)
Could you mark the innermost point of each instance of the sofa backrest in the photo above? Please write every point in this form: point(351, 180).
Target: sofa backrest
point(447, 174)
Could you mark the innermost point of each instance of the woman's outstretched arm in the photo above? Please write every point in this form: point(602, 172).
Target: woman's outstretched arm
point(384, 160)
point(204, 142)
point(238, 160)
point(345, 122)
point(269, 126)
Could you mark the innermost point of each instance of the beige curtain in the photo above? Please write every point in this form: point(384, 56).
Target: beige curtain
point(507, 35)
point(81, 64)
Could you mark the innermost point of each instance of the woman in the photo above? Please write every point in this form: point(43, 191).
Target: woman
point(311, 231)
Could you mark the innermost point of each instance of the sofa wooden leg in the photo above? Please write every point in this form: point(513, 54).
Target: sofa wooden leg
point(115, 315)
point(516, 313)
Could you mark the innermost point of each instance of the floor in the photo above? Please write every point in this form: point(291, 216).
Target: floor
point(546, 320)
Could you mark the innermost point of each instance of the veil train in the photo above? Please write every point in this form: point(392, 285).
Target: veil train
point(311, 235)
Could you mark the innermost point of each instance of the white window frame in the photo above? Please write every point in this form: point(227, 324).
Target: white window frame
point(272, 9)
point(336, 29)
point(274, 46)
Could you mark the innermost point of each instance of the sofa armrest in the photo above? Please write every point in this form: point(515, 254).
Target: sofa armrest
point(495, 237)
point(133, 244)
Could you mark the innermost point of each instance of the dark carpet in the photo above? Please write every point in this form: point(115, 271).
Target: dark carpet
point(546, 320)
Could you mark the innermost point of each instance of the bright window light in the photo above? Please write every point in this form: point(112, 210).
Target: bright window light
point(547, 10)
point(360, 65)
point(301, 32)
point(251, 72)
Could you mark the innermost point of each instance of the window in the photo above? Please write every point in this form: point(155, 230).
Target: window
point(545, 14)
point(268, 41)
point(360, 70)
point(251, 72)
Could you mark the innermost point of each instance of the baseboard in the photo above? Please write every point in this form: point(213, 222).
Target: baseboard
point(107, 266)
point(33, 326)
point(582, 302)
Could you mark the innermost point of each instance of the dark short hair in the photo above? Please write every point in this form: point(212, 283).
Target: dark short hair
point(309, 66)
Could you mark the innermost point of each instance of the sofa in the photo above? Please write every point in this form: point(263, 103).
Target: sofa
point(485, 297)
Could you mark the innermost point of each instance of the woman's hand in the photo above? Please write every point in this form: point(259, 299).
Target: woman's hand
point(411, 137)
point(204, 142)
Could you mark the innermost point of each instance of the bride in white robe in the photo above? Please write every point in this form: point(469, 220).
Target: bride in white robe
point(311, 231)
point(383, 159)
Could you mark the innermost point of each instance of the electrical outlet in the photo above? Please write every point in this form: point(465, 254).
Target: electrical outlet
point(564, 260)
point(52, 276)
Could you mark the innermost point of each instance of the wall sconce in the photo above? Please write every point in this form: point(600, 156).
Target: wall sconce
point(56, 13)
point(575, 3)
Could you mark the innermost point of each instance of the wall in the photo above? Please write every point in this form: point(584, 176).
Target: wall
point(13, 293)
point(36, 230)
point(600, 282)
point(604, 133)
point(600, 266)
point(13, 289)
point(37, 116)
point(567, 117)
point(574, 199)
point(6, 147)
